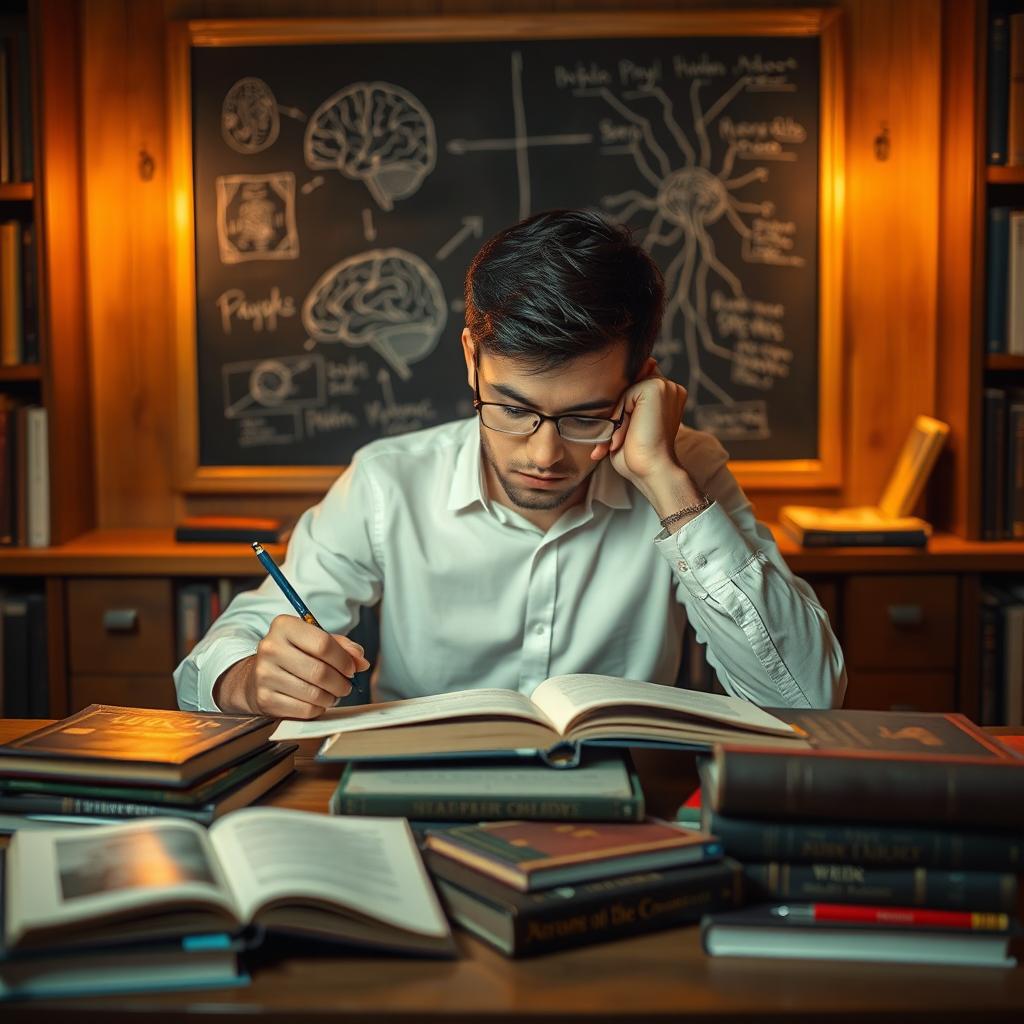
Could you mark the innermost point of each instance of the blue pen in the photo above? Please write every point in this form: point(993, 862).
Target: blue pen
point(288, 590)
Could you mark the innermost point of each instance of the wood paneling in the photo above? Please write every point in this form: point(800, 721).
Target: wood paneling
point(892, 62)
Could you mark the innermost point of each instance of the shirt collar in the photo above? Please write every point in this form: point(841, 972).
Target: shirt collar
point(467, 487)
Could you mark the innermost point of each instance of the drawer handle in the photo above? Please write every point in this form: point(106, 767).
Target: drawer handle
point(121, 620)
point(903, 615)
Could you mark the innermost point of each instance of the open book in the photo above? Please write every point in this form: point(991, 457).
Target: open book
point(566, 709)
point(357, 881)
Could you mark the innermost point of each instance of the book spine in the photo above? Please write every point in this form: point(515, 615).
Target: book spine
point(24, 97)
point(791, 785)
point(16, 657)
point(864, 538)
point(993, 463)
point(38, 683)
point(598, 917)
point(87, 807)
point(996, 275)
point(988, 673)
point(1015, 99)
point(1015, 470)
point(488, 809)
point(8, 474)
point(998, 87)
point(10, 293)
point(869, 844)
point(38, 479)
point(854, 883)
point(29, 313)
point(1015, 286)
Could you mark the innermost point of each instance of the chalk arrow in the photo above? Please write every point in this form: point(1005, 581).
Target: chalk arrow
point(384, 380)
point(292, 112)
point(470, 226)
point(462, 146)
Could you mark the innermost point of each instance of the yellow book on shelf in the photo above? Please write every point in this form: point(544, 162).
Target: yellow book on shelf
point(888, 523)
point(10, 293)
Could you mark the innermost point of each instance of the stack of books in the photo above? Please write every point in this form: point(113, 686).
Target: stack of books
point(891, 837)
point(163, 903)
point(106, 763)
point(529, 887)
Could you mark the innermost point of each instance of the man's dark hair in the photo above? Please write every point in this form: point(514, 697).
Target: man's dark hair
point(563, 284)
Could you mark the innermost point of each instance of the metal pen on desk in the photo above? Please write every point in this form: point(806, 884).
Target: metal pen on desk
point(289, 591)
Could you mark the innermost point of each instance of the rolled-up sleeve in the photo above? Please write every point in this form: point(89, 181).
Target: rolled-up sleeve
point(333, 560)
point(768, 638)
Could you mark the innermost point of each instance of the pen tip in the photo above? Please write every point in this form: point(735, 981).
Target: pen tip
point(257, 547)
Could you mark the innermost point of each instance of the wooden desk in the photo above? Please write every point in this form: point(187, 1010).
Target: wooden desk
point(659, 977)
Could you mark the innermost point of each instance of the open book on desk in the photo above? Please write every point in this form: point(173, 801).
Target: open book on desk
point(562, 713)
point(355, 881)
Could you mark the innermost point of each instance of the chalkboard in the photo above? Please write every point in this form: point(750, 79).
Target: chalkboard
point(340, 188)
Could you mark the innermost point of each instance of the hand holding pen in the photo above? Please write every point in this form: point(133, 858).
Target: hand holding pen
point(300, 669)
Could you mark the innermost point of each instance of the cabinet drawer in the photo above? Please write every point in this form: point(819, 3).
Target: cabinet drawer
point(128, 691)
point(892, 622)
point(120, 626)
point(901, 691)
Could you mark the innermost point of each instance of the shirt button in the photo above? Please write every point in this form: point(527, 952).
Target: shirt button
point(701, 561)
point(539, 631)
point(681, 565)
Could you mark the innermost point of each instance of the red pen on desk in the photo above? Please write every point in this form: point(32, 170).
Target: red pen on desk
point(898, 916)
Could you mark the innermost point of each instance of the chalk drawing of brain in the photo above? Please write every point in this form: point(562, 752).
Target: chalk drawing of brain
point(376, 133)
point(386, 298)
point(249, 120)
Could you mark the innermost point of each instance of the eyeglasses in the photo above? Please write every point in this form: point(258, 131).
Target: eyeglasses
point(513, 419)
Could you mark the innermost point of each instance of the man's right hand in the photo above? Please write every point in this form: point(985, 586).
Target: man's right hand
point(298, 671)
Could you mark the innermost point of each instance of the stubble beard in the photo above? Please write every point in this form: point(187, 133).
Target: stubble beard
point(522, 497)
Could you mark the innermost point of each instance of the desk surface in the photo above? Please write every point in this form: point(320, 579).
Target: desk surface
point(659, 977)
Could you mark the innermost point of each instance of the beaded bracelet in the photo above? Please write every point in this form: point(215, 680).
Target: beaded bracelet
point(690, 510)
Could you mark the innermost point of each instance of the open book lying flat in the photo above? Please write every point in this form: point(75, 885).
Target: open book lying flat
point(563, 712)
point(356, 881)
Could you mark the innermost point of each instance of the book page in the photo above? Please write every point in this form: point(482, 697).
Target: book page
point(566, 699)
point(370, 865)
point(61, 878)
point(486, 703)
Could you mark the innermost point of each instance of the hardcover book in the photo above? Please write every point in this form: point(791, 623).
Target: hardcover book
point(603, 788)
point(134, 745)
point(562, 712)
point(243, 784)
point(894, 845)
point(904, 767)
point(528, 923)
point(355, 881)
point(530, 855)
point(763, 932)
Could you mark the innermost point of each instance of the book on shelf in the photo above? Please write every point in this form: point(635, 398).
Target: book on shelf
point(788, 932)
point(1014, 284)
point(864, 526)
point(890, 521)
point(998, 87)
point(844, 882)
point(531, 855)
point(996, 274)
point(24, 655)
point(1001, 679)
point(230, 529)
point(144, 746)
point(1002, 485)
point(1015, 97)
point(37, 481)
point(604, 787)
point(236, 786)
point(883, 845)
point(10, 293)
point(530, 923)
point(562, 713)
point(354, 881)
point(926, 768)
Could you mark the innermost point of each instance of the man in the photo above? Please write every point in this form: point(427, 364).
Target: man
point(525, 542)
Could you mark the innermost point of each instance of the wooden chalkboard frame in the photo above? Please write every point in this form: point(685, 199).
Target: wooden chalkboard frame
point(820, 473)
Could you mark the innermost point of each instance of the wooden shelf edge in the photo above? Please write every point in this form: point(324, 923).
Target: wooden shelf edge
point(1004, 362)
point(1003, 175)
point(24, 371)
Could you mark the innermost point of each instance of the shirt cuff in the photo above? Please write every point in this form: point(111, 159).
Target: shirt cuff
point(213, 662)
point(707, 551)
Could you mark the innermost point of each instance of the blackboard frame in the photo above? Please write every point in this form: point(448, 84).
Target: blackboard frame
point(193, 477)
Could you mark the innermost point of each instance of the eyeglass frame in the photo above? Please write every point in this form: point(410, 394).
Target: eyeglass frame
point(478, 404)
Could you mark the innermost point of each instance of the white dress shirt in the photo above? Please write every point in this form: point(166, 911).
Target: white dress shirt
point(473, 595)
